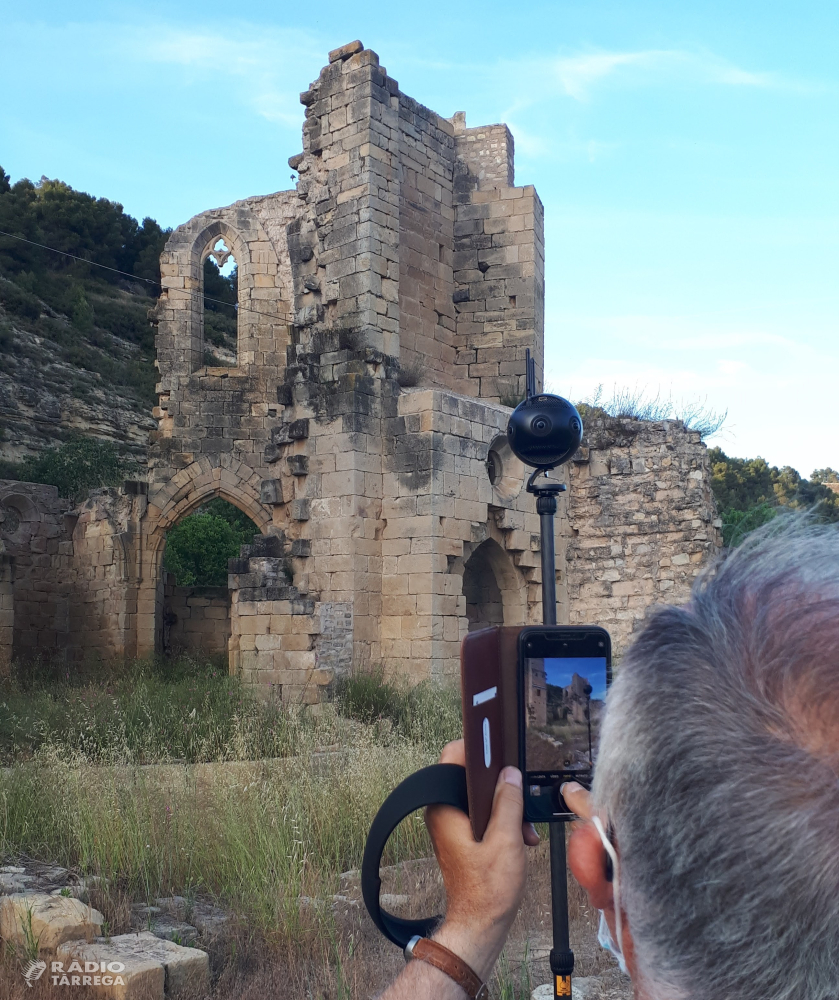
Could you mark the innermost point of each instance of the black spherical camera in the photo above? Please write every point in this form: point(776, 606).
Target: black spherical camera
point(545, 430)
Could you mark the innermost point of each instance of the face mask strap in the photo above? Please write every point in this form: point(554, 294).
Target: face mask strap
point(613, 856)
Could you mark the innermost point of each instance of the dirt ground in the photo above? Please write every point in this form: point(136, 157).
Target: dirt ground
point(339, 954)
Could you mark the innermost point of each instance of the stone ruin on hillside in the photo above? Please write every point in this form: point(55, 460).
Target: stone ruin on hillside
point(391, 517)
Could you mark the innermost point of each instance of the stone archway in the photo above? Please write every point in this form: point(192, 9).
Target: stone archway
point(492, 588)
point(195, 616)
point(183, 494)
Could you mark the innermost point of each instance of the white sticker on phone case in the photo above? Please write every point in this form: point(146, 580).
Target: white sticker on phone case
point(482, 696)
point(487, 748)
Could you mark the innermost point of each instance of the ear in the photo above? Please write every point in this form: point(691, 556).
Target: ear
point(587, 859)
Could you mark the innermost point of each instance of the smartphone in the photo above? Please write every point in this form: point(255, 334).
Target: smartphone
point(563, 675)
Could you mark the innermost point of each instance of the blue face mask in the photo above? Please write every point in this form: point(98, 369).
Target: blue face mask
point(604, 935)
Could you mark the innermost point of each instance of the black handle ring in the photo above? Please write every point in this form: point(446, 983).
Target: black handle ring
point(439, 784)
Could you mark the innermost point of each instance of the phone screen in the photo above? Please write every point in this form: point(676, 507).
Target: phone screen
point(563, 699)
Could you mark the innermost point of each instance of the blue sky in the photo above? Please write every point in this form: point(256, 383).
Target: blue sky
point(686, 156)
point(560, 672)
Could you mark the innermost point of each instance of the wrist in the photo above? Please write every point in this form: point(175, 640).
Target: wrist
point(478, 947)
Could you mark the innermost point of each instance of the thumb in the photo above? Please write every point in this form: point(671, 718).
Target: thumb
point(507, 804)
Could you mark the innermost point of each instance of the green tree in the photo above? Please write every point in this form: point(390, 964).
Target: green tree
point(199, 546)
point(827, 475)
point(750, 492)
point(82, 311)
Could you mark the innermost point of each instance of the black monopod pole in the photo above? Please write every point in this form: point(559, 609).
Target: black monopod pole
point(562, 958)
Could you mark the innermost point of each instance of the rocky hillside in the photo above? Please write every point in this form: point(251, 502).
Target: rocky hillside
point(56, 380)
point(77, 279)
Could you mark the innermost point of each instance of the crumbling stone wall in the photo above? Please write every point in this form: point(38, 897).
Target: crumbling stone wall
point(72, 590)
point(642, 521)
point(37, 530)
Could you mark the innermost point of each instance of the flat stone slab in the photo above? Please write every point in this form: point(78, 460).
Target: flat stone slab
point(168, 927)
point(11, 882)
point(49, 920)
point(182, 971)
point(106, 969)
point(210, 920)
point(198, 915)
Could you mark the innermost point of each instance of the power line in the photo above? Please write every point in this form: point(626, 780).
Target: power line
point(134, 277)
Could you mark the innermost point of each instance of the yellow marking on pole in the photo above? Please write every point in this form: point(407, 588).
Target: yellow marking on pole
point(563, 986)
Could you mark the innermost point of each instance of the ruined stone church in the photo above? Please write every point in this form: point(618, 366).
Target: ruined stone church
point(384, 309)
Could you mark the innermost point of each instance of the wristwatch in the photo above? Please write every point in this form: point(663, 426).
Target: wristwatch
point(436, 954)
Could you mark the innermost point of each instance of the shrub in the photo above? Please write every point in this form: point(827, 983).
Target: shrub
point(75, 467)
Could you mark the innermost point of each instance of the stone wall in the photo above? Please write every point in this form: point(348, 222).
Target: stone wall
point(641, 521)
point(7, 612)
point(74, 575)
point(37, 530)
point(287, 644)
point(195, 619)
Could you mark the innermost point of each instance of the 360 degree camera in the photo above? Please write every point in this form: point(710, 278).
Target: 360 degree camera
point(544, 430)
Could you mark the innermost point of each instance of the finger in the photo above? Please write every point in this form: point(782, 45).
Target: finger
point(529, 835)
point(507, 805)
point(454, 753)
point(577, 799)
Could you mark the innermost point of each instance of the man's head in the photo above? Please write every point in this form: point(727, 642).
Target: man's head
point(719, 772)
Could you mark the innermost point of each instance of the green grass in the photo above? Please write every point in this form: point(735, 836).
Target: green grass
point(190, 710)
point(282, 810)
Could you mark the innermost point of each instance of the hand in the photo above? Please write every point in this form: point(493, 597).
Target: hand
point(484, 881)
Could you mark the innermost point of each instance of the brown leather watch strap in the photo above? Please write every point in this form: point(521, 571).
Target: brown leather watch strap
point(447, 962)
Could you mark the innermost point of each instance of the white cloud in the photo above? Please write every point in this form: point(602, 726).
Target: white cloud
point(578, 74)
point(264, 67)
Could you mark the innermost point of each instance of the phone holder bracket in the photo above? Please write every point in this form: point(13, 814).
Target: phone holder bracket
point(439, 784)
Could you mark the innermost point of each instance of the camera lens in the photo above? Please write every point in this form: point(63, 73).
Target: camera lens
point(541, 425)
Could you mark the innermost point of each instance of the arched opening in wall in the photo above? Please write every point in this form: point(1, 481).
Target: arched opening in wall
point(195, 615)
point(488, 588)
point(220, 275)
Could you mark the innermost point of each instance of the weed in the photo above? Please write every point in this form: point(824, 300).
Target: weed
point(31, 941)
point(635, 404)
point(410, 374)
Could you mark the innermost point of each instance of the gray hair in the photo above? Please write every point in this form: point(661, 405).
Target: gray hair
point(719, 768)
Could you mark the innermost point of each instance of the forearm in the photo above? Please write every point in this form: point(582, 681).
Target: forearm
point(419, 980)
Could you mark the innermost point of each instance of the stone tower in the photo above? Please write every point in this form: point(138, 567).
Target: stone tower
point(406, 254)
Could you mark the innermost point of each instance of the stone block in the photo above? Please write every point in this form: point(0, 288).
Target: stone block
point(50, 920)
point(271, 491)
point(345, 51)
point(153, 966)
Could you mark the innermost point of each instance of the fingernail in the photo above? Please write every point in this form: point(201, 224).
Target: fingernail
point(572, 786)
point(512, 775)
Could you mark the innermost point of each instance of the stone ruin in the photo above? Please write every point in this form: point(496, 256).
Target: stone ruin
point(384, 310)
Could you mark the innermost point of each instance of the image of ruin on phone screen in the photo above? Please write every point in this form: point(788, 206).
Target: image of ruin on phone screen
point(564, 707)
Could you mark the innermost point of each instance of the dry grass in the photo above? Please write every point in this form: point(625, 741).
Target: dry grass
point(267, 839)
